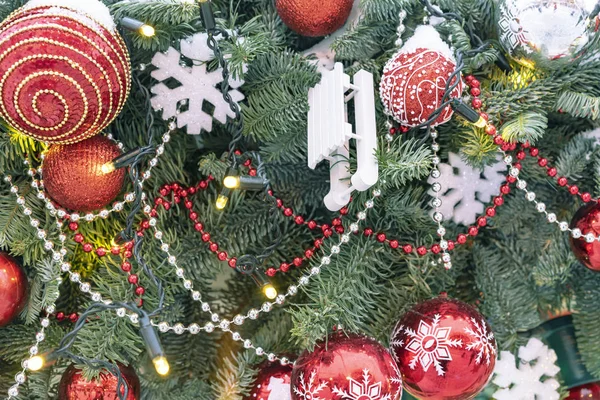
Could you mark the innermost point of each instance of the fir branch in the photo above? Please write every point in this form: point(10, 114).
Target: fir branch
point(476, 146)
point(403, 162)
point(575, 158)
point(228, 384)
point(554, 266)
point(579, 104)
point(162, 12)
point(585, 318)
point(528, 126)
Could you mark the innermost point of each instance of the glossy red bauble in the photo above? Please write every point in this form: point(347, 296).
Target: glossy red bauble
point(445, 350)
point(63, 75)
point(13, 289)
point(346, 366)
point(73, 174)
point(73, 385)
point(589, 391)
point(587, 219)
point(273, 382)
point(314, 17)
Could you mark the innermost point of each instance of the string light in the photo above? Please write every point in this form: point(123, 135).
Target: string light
point(468, 113)
point(147, 30)
point(231, 181)
point(223, 199)
point(35, 363)
point(138, 26)
point(270, 291)
point(107, 168)
point(161, 364)
point(122, 161)
point(155, 350)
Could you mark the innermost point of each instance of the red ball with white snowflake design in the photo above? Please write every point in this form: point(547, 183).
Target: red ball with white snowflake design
point(346, 367)
point(273, 382)
point(414, 80)
point(445, 350)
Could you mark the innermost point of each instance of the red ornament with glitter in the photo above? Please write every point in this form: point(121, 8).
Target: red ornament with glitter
point(273, 382)
point(13, 289)
point(314, 17)
point(64, 73)
point(73, 385)
point(445, 350)
point(74, 178)
point(587, 220)
point(414, 80)
point(346, 366)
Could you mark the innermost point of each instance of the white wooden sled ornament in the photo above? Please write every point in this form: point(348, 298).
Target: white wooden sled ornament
point(329, 132)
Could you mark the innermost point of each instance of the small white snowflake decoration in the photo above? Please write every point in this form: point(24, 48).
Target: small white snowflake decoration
point(465, 190)
point(197, 86)
point(363, 390)
point(483, 342)
point(309, 389)
point(431, 344)
point(526, 382)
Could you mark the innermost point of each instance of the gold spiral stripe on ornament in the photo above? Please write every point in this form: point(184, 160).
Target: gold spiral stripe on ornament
point(42, 73)
point(69, 47)
point(59, 74)
point(56, 94)
point(124, 64)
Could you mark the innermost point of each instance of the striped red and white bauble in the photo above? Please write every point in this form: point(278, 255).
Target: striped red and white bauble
point(64, 74)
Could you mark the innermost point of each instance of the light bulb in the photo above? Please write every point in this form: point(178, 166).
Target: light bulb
point(481, 123)
point(221, 202)
point(108, 167)
point(270, 291)
point(35, 363)
point(231, 182)
point(161, 364)
point(147, 30)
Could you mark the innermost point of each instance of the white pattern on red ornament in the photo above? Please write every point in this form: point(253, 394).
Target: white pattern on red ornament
point(414, 80)
point(483, 341)
point(431, 344)
point(364, 390)
point(309, 390)
point(279, 390)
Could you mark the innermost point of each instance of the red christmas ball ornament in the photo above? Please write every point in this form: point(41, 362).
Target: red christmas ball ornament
point(273, 382)
point(74, 177)
point(414, 80)
point(445, 350)
point(589, 391)
point(13, 289)
point(64, 70)
point(314, 17)
point(346, 366)
point(587, 220)
point(73, 385)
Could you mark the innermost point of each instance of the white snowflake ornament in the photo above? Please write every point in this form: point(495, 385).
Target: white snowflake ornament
point(525, 381)
point(197, 86)
point(463, 193)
